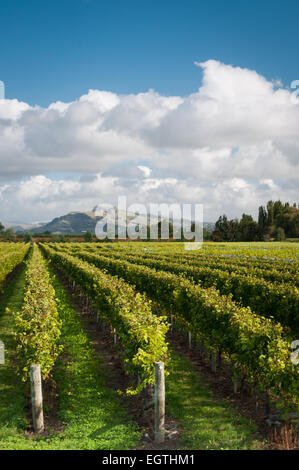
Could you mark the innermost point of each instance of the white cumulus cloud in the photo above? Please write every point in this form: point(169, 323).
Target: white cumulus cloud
point(231, 145)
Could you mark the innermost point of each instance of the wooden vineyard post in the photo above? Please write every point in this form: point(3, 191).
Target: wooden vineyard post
point(171, 324)
point(189, 339)
point(2, 353)
point(213, 362)
point(267, 403)
point(255, 394)
point(235, 380)
point(159, 402)
point(219, 358)
point(37, 398)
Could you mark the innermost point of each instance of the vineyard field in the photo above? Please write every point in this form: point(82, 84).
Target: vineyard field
point(233, 307)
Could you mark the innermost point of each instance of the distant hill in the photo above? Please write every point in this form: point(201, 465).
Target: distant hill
point(81, 222)
point(21, 228)
point(72, 223)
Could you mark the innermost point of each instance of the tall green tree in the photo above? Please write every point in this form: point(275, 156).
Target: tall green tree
point(270, 211)
point(10, 235)
point(88, 236)
point(278, 220)
point(27, 237)
point(262, 219)
point(280, 234)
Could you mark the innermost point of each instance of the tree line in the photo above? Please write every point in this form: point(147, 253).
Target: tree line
point(276, 221)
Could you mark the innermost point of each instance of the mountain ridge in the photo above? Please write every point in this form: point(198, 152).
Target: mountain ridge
point(77, 222)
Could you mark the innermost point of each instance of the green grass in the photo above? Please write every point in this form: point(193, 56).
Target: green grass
point(205, 422)
point(92, 414)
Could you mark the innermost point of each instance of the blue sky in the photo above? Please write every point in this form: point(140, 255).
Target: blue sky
point(162, 101)
point(58, 49)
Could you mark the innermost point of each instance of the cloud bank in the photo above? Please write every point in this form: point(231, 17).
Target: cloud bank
point(232, 145)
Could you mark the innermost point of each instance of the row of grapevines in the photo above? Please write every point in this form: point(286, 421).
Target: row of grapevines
point(9, 260)
point(37, 325)
point(7, 248)
point(264, 252)
point(285, 252)
point(247, 269)
point(281, 265)
point(267, 299)
point(141, 333)
point(255, 344)
point(274, 268)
